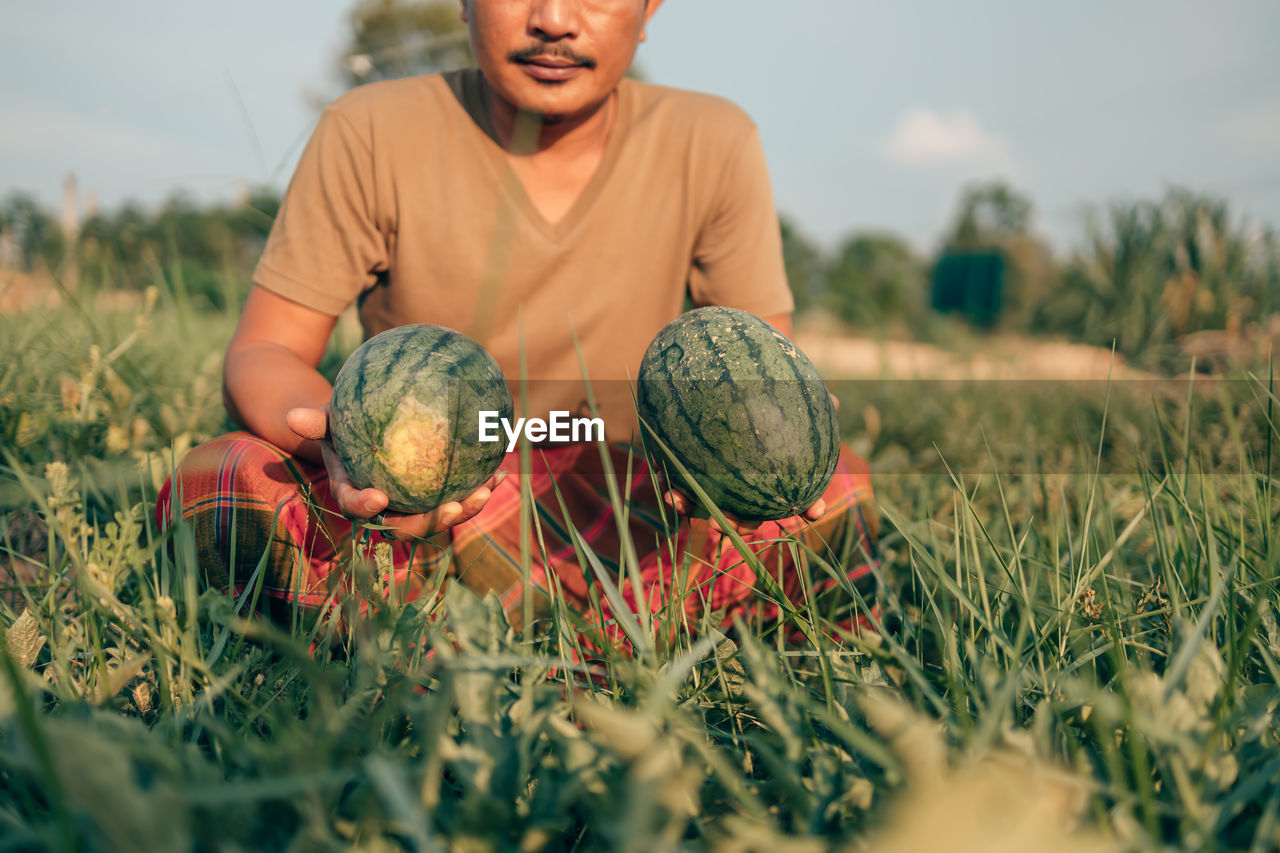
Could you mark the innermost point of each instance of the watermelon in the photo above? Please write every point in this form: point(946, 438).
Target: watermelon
point(404, 415)
point(743, 410)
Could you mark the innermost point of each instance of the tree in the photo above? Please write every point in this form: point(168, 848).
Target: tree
point(804, 266)
point(994, 216)
point(989, 214)
point(29, 234)
point(875, 279)
point(401, 38)
point(1151, 274)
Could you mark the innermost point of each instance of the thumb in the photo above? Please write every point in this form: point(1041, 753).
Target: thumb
point(308, 422)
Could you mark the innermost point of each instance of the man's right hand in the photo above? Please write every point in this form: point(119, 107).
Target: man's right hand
point(365, 504)
point(272, 388)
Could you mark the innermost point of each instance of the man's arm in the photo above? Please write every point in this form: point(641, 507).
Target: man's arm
point(271, 386)
point(781, 322)
point(270, 368)
point(737, 260)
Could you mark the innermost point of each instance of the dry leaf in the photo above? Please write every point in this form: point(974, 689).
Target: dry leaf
point(118, 677)
point(25, 640)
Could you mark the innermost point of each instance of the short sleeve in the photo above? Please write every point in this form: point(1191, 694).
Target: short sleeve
point(326, 246)
point(737, 259)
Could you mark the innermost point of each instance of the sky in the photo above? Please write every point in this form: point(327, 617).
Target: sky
point(873, 116)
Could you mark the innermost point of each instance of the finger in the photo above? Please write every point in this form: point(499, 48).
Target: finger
point(835, 401)
point(742, 528)
point(338, 476)
point(441, 518)
point(817, 511)
point(358, 503)
point(352, 500)
point(423, 524)
point(679, 503)
point(308, 422)
point(473, 503)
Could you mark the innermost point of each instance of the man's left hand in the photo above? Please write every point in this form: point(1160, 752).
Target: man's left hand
point(681, 504)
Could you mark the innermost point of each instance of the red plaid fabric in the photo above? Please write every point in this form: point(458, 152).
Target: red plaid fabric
point(244, 498)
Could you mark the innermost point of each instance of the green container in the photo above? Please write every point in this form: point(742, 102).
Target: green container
point(971, 283)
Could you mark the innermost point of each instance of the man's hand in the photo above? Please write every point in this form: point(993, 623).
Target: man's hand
point(681, 504)
point(367, 503)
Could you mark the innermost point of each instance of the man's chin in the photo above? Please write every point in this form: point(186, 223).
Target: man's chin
point(549, 115)
point(552, 109)
point(553, 104)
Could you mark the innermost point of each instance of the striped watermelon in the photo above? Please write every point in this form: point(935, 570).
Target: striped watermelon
point(404, 416)
point(743, 409)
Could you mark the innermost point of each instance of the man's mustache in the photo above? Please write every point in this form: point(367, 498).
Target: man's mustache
point(551, 51)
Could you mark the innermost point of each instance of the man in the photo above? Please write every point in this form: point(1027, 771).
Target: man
point(554, 211)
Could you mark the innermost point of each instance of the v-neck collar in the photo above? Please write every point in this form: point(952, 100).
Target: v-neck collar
point(467, 86)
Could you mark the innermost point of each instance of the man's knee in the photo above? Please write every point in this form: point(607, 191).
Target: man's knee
point(845, 537)
point(850, 508)
point(233, 497)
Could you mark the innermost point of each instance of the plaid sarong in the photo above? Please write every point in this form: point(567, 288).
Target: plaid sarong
point(244, 497)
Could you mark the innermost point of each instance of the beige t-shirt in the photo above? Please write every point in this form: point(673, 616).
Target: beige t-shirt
point(404, 202)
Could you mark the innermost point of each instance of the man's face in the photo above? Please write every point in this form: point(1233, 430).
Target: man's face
point(555, 57)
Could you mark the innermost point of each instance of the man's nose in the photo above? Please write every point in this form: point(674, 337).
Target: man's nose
point(552, 20)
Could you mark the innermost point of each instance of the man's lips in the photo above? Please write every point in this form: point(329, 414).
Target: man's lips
point(550, 69)
point(551, 63)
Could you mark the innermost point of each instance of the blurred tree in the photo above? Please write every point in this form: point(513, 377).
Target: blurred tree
point(1218, 276)
point(31, 235)
point(875, 279)
point(989, 214)
point(1153, 274)
point(994, 216)
point(401, 38)
point(804, 266)
point(257, 215)
point(1111, 288)
point(207, 251)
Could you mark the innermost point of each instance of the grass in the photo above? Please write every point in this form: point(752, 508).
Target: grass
point(1082, 634)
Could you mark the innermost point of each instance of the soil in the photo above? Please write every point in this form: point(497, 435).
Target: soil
point(844, 356)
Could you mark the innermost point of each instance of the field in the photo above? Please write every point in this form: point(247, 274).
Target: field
point(1080, 651)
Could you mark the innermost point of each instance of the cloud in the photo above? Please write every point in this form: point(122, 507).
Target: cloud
point(927, 139)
